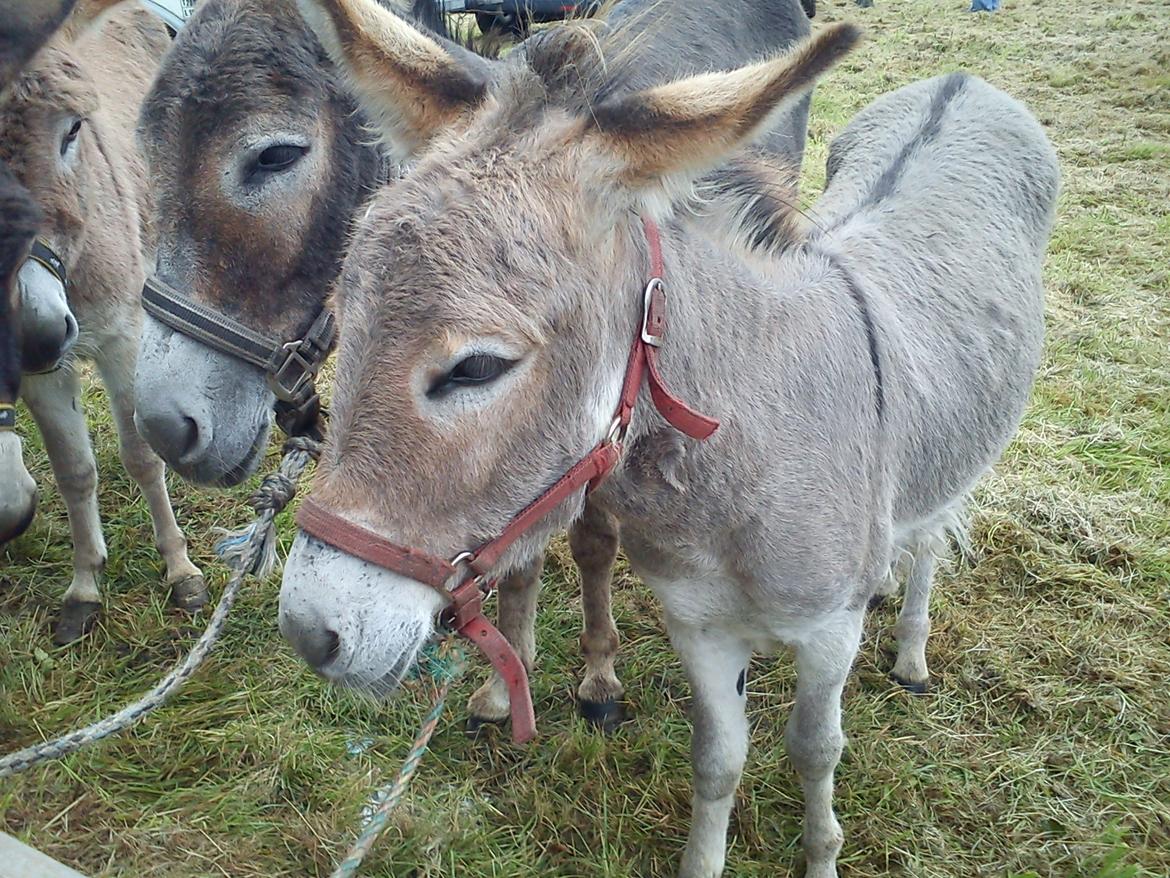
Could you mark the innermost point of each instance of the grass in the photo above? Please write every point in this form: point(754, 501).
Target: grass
point(1043, 750)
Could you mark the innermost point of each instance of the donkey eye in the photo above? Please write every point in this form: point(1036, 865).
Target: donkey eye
point(279, 156)
point(70, 137)
point(476, 369)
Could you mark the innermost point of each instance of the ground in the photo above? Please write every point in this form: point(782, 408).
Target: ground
point(1043, 748)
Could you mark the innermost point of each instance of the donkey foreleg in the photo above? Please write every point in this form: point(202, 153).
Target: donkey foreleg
point(813, 738)
point(913, 628)
point(516, 619)
point(116, 364)
point(55, 402)
point(716, 665)
point(594, 543)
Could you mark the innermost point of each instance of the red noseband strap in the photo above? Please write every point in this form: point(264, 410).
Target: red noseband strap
point(464, 612)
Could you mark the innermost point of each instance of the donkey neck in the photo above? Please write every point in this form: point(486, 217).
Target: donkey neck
point(732, 316)
point(778, 352)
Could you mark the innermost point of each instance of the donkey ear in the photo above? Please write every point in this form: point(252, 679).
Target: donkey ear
point(685, 128)
point(89, 15)
point(404, 79)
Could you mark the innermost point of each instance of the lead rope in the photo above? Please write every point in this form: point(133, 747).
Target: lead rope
point(252, 550)
point(247, 551)
point(446, 664)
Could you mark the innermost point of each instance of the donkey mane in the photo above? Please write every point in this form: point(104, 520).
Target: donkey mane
point(759, 197)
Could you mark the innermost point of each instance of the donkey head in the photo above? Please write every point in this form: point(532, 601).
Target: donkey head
point(46, 143)
point(259, 159)
point(489, 299)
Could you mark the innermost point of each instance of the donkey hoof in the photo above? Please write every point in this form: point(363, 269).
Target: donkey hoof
point(189, 593)
point(477, 726)
point(914, 687)
point(77, 619)
point(605, 715)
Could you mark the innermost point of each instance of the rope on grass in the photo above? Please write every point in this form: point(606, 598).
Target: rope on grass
point(446, 665)
point(249, 551)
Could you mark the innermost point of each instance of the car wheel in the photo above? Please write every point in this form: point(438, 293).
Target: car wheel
point(502, 23)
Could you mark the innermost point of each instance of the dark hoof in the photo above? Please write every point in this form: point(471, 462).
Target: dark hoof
point(911, 686)
point(477, 726)
point(189, 593)
point(875, 601)
point(605, 715)
point(77, 620)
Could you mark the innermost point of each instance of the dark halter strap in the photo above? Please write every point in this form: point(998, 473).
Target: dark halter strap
point(464, 612)
point(290, 366)
point(45, 255)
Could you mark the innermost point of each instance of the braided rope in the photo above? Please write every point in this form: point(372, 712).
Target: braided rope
point(254, 553)
point(446, 665)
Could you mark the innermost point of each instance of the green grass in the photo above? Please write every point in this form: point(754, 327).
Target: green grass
point(1044, 749)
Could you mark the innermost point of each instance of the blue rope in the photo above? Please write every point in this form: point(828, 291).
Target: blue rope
point(444, 664)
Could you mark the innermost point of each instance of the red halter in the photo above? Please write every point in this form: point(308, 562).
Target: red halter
point(464, 612)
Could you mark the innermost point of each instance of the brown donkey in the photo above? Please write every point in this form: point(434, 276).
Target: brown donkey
point(67, 132)
point(864, 377)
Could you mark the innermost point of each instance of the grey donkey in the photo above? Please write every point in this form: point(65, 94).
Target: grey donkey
point(866, 373)
point(259, 159)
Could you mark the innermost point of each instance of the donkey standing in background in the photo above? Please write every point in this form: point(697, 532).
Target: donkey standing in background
point(260, 158)
point(67, 132)
point(864, 376)
point(24, 27)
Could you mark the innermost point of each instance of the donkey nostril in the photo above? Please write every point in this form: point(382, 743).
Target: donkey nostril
point(189, 437)
point(318, 646)
point(333, 642)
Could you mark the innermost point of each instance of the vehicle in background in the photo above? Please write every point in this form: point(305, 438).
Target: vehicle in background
point(515, 16)
point(174, 13)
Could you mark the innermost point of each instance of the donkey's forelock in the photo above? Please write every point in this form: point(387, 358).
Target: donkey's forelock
point(54, 79)
point(216, 56)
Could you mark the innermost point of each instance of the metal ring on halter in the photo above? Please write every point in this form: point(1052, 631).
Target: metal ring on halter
point(462, 558)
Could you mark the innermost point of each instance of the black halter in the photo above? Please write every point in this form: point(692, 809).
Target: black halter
point(290, 366)
point(45, 255)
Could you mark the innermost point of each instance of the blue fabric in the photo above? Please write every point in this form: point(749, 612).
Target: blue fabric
point(984, 5)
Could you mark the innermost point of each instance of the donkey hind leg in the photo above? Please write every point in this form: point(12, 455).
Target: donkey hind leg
point(716, 665)
point(813, 738)
point(517, 621)
point(55, 402)
point(116, 364)
point(594, 543)
point(913, 627)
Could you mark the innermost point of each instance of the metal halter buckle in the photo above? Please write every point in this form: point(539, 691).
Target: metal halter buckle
point(293, 374)
point(648, 337)
point(617, 431)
